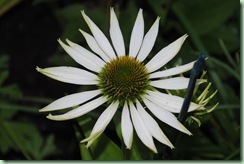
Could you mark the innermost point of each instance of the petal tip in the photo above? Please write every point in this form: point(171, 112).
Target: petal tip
point(54, 118)
point(83, 14)
point(60, 42)
point(70, 43)
point(81, 31)
point(82, 11)
point(38, 69)
point(82, 141)
point(185, 36)
point(42, 110)
point(49, 116)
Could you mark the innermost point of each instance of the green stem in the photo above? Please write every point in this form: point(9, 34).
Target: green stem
point(227, 106)
point(226, 67)
point(233, 154)
point(7, 5)
point(126, 152)
point(198, 43)
point(227, 54)
point(7, 106)
point(37, 99)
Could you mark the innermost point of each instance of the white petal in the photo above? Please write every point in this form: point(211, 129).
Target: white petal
point(99, 36)
point(70, 75)
point(92, 43)
point(169, 102)
point(116, 34)
point(141, 129)
point(174, 83)
point(165, 116)
point(148, 41)
point(137, 35)
point(89, 55)
point(153, 126)
point(77, 112)
point(80, 58)
point(102, 123)
point(126, 127)
point(165, 55)
point(172, 71)
point(70, 100)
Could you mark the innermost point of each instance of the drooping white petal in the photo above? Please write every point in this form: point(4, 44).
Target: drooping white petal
point(169, 102)
point(172, 71)
point(126, 126)
point(165, 116)
point(148, 41)
point(99, 36)
point(102, 123)
point(153, 126)
point(89, 55)
point(70, 100)
point(79, 111)
point(165, 55)
point(92, 43)
point(141, 129)
point(70, 75)
point(137, 35)
point(80, 58)
point(116, 34)
point(174, 83)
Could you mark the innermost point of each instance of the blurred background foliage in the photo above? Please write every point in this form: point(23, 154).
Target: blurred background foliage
point(29, 30)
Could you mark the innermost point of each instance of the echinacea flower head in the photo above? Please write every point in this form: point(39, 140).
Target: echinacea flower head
point(124, 81)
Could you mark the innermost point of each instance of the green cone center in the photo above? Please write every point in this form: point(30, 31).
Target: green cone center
point(123, 78)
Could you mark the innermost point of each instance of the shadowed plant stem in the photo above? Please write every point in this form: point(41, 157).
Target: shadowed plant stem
point(195, 72)
point(86, 153)
point(126, 152)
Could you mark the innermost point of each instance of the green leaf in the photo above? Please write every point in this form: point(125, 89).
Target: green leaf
point(208, 14)
point(139, 151)
point(227, 34)
point(86, 153)
point(71, 19)
point(25, 137)
point(4, 73)
point(3, 76)
point(6, 114)
point(38, 148)
point(17, 133)
point(103, 148)
point(5, 141)
point(11, 91)
point(4, 61)
point(117, 122)
point(160, 7)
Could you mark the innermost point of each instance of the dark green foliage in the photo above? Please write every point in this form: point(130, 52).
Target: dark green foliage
point(213, 27)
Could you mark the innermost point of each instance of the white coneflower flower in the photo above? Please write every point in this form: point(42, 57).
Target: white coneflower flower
point(123, 81)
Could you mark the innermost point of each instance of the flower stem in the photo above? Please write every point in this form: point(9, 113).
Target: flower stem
point(126, 152)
